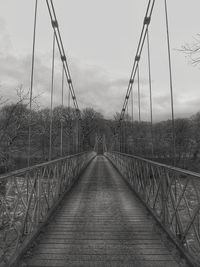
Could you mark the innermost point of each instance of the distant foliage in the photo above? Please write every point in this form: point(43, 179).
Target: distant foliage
point(132, 137)
point(135, 138)
point(14, 132)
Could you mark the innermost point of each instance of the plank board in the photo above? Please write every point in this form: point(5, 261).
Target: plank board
point(100, 223)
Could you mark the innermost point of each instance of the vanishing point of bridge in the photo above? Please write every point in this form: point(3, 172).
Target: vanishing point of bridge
point(103, 207)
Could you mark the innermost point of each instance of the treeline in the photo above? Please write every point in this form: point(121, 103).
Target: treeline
point(137, 138)
point(14, 133)
point(156, 142)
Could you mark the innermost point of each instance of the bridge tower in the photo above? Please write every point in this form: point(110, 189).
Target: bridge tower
point(100, 144)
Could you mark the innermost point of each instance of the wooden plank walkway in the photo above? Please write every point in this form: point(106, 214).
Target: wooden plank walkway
point(100, 223)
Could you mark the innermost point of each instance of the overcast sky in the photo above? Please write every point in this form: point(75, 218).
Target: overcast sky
point(100, 38)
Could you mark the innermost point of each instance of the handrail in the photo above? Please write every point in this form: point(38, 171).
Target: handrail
point(30, 168)
point(176, 169)
point(29, 196)
point(171, 194)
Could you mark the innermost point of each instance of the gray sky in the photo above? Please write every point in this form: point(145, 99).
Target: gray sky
point(100, 39)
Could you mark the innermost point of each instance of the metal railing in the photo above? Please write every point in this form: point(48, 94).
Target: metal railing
point(28, 197)
point(171, 194)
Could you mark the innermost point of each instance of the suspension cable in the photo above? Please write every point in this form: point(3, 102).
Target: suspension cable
point(69, 123)
point(62, 110)
point(79, 136)
point(51, 109)
point(150, 92)
point(172, 103)
point(127, 127)
point(61, 49)
point(120, 136)
point(76, 135)
point(118, 146)
point(32, 77)
point(123, 137)
point(139, 101)
point(171, 84)
point(132, 121)
point(132, 115)
point(69, 96)
point(146, 23)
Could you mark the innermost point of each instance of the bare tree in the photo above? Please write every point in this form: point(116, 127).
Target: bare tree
point(192, 50)
point(13, 118)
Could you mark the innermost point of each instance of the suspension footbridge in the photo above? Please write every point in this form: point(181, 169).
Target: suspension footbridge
point(104, 206)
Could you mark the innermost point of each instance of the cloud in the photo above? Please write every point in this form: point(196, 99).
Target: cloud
point(5, 41)
point(94, 86)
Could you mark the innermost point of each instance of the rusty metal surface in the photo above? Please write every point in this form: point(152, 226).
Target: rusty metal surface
point(100, 223)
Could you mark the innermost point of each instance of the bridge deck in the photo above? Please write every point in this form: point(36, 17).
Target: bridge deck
point(100, 223)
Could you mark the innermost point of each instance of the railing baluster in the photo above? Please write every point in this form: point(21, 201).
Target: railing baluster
point(39, 197)
point(30, 196)
point(171, 194)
